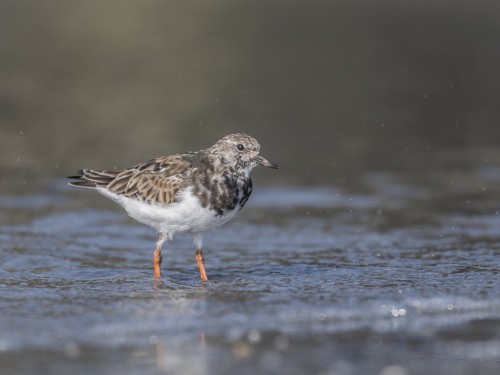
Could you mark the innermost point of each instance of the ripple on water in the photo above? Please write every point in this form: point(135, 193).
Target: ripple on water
point(300, 268)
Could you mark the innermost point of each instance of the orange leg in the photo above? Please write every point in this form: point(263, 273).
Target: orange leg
point(201, 265)
point(157, 256)
point(157, 263)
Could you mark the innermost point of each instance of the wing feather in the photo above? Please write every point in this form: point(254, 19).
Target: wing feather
point(158, 179)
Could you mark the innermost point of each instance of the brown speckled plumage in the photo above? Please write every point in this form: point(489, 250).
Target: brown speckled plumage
point(217, 177)
point(219, 181)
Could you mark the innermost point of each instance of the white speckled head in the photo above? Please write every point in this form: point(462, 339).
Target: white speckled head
point(240, 151)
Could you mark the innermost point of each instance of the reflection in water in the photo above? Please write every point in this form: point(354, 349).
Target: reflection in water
point(172, 358)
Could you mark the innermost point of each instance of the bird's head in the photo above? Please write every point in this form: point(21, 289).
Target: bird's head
point(240, 151)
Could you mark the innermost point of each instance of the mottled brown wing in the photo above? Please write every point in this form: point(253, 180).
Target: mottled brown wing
point(89, 178)
point(168, 165)
point(157, 180)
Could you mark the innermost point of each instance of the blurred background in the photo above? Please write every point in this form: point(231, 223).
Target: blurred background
point(330, 88)
point(374, 249)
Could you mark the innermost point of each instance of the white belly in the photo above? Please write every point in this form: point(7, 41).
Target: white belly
point(186, 215)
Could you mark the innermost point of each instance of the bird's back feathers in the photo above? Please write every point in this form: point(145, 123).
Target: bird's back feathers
point(158, 179)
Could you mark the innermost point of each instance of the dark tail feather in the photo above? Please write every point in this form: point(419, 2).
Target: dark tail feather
point(84, 184)
point(88, 178)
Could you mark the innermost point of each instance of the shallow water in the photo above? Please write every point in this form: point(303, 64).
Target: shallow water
point(396, 276)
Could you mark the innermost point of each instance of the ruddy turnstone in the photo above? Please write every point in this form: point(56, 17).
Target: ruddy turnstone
point(192, 192)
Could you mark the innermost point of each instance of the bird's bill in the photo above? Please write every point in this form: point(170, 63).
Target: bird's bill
point(259, 160)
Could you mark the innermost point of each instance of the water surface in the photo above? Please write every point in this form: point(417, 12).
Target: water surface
point(398, 276)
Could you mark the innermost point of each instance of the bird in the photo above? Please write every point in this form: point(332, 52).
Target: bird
point(192, 192)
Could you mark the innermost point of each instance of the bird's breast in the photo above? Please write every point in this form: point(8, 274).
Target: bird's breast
point(224, 194)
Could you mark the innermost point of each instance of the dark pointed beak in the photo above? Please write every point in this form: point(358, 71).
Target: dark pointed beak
point(259, 160)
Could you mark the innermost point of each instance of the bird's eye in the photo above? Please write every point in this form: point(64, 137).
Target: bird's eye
point(240, 147)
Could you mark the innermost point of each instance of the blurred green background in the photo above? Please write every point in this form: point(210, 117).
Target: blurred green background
point(331, 89)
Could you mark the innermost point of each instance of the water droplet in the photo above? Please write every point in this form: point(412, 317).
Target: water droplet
point(398, 312)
